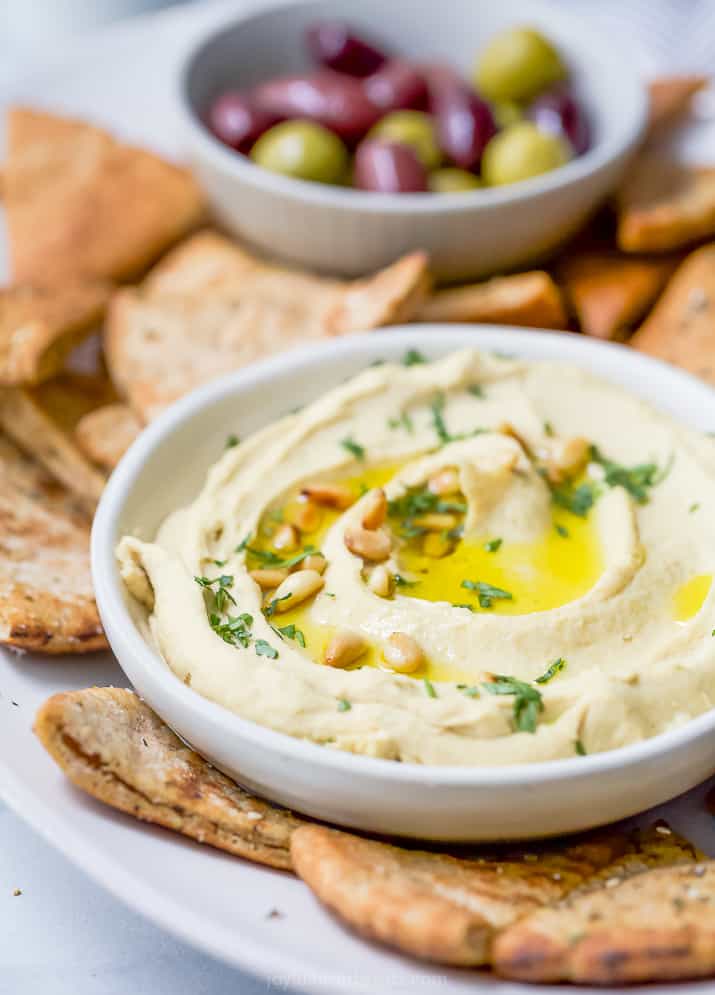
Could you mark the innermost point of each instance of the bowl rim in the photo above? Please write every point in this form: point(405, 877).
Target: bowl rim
point(532, 344)
point(601, 155)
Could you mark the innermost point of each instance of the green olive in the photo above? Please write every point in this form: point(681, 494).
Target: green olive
point(413, 128)
point(507, 112)
point(521, 151)
point(516, 65)
point(452, 180)
point(302, 149)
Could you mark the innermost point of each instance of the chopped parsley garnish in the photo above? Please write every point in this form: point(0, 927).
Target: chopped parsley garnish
point(476, 390)
point(243, 543)
point(487, 593)
point(694, 507)
point(219, 563)
point(528, 702)
point(555, 668)
point(272, 559)
point(429, 687)
point(232, 441)
point(492, 545)
point(344, 705)
point(548, 428)
point(401, 581)
point(218, 586)
point(271, 607)
point(471, 691)
point(290, 632)
point(235, 630)
point(353, 447)
point(404, 421)
point(413, 357)
point(562, 531)
point(637, 480)
point(263, 648)
point(438, 422)
point(420, 501)
point(580, 748)
point(578, 500)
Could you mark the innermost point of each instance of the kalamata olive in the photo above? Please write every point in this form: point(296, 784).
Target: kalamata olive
point(413, 128)
point(332, 44)
point(516, 65)
point(452, 180)
point(559, 113)
point(335, 101)
point(302, 149)
point(521, 151)
point(464, 121)
point(397, 86)
point(388, 167)
point(235, 121)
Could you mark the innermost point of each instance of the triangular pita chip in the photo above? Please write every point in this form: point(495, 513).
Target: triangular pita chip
point(105, 434)
point(529, 299)
point(671, 96)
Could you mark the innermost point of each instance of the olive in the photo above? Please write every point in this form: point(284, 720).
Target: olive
point(332, 44)
point(388, 167)
point(560, 113)
point(396, 87)
point(413, 128)
point(516, 65)
point(335, 101)
point(302, 149)
point(236, 122)
point(507, 112)
point(452, 180)
point(464, 121)
point(521, 151)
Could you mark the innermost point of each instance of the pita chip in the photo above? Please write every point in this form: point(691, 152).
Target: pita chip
point(529, 299)
point(105, 434)
point(671, 96)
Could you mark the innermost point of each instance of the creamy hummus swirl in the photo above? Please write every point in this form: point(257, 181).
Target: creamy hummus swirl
point(630, 620)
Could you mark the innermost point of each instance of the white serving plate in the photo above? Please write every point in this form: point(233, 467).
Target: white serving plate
point(123, 78)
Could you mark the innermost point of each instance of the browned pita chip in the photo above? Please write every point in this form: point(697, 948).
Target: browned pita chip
point(66, 399)
point(80, 204)
point(39, 327)
point(104, 435)
point(46, 600)
point(28, 424)
point(432, 905)
point(664, 204)
point(609, 292)
point(681, 327)
point(210, 307)
point(111, 745)
point(530, 299)
point(671, 96)
point(656, 926)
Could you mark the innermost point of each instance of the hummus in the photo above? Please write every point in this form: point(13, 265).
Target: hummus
point(535, 582)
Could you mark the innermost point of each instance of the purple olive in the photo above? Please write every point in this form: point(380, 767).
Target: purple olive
point(335, 101)
point(464, 121)
point(388, 167)
point(235, 121)
point(332, 44)
point(559, 113)
point(396, 87)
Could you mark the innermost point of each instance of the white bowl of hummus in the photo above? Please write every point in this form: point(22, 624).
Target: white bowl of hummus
point(453, 583)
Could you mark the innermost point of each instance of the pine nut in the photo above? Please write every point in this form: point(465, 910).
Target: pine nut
point(268, 579)
point(435, 522)
point(567, 457)
point(444, 482)
point(333, 495)
point(436, 545)
point(375, 509)
point(380, 581)
point(300, 586)
point(402, 653)
point(344, 648)
point(368, 543)
point(286, 538)
point(305, 515)
point(316, 561)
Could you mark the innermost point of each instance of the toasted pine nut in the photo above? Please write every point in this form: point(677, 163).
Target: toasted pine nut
point(368, 543)
point(375, 509)
point(305, 515)
point(380, 581)
point(333, 495)
point(316, 561)
point(402, 653)
point(268, 579)
point(286, 538)
point(344, 648)
point(506, 428)
point(299, 586)
point(436, 545)
point(444, 482)
point(435, 522)
point(567, 458)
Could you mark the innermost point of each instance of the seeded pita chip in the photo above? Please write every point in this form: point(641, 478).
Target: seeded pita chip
point(664, 204)
point(531, 299)
point(105, 434)
point(210, 307)
point(39, 326)
point(671, 96)
point(111, 745)
point(46, 599)
point(681, 327)
point(609, 292)
point(80, 204)
point(655, 926)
